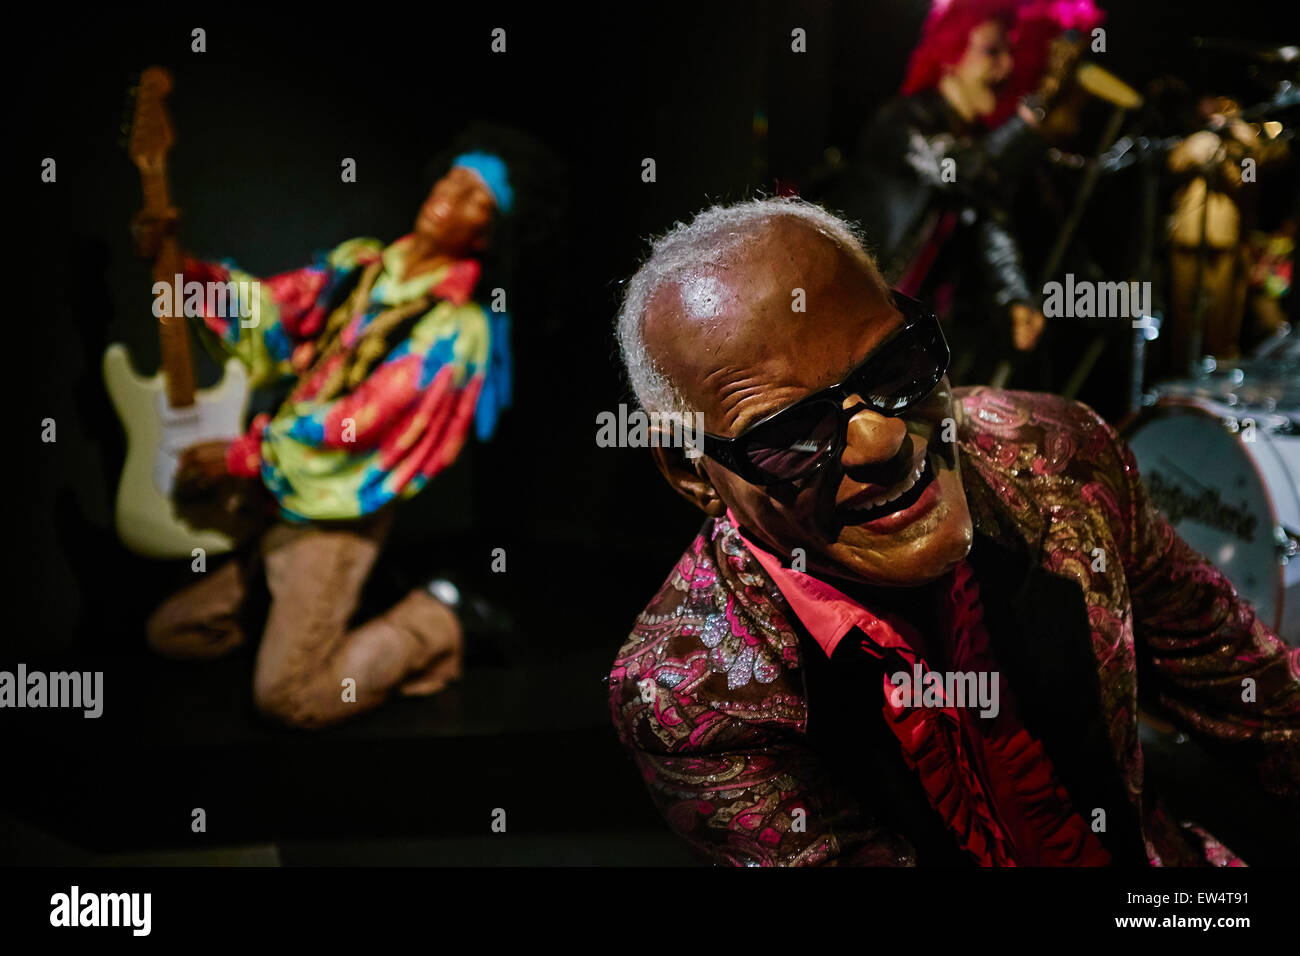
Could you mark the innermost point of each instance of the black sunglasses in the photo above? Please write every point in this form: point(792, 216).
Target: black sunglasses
point(797, 441)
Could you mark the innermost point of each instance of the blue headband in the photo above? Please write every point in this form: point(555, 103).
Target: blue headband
point(493, 172)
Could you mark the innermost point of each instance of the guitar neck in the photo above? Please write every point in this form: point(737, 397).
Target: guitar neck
point(173, 336)
point(153, 183)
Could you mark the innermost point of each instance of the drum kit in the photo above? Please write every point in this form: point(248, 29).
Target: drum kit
point(1219, 449)
point(1219, 454)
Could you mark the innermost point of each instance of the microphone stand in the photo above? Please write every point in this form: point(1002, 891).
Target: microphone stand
point(1092, 172)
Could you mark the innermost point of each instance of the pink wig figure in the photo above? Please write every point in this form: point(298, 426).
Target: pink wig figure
point(1031, 26)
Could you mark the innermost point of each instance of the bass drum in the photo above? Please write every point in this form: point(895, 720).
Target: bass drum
point(1227, 477)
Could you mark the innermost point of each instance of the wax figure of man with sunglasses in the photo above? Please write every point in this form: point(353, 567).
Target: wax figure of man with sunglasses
point(877, 544)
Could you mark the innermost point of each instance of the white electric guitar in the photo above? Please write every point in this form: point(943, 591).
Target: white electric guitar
point(164, 414)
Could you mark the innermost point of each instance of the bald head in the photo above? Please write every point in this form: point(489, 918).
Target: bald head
point(720, 330)
point(704, 278)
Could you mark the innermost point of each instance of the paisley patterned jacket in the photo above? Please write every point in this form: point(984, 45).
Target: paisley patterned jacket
point(1086, 589)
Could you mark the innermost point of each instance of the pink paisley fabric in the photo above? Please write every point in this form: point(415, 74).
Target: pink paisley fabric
point(708, 696)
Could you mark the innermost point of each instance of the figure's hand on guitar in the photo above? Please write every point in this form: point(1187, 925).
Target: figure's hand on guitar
point(148, 230)
point(207, 496)
point(201, 469)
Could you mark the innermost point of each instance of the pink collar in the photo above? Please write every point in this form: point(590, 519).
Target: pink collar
point(827, 612)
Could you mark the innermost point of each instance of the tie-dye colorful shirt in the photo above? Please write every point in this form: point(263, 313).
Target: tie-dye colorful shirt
point(390, 372)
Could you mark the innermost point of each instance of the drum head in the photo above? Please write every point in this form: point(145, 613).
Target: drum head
point(1207, 484)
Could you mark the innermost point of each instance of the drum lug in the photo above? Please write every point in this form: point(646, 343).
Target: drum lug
point(1288, 544)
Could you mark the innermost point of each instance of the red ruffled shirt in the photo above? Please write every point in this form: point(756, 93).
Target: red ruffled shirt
point(990, 781)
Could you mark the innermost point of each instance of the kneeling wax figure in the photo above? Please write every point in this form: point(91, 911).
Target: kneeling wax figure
point(389, 359)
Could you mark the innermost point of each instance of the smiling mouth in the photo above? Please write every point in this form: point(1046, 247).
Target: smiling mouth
point(901, 497)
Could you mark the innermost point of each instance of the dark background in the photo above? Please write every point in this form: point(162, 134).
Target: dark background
point(263, 120)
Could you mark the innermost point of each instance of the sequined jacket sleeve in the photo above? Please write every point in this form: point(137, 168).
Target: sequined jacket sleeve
point(706, 695)
point(1217, 669)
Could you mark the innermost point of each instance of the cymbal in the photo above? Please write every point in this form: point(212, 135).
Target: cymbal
point(1252, 50)
point(1106, 85)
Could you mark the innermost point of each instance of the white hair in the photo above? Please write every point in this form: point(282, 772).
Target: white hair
point(710, 237)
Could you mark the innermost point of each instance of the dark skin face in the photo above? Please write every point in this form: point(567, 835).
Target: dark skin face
point(728, 337)
point(453, 221)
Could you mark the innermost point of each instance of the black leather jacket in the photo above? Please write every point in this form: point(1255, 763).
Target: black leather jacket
point(918, 164)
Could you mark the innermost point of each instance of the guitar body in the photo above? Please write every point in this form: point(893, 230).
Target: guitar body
point(156, 433)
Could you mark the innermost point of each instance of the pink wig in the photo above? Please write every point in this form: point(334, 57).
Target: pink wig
point(1031, 26)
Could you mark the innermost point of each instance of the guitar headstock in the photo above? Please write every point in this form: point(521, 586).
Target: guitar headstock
point(151, 128)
